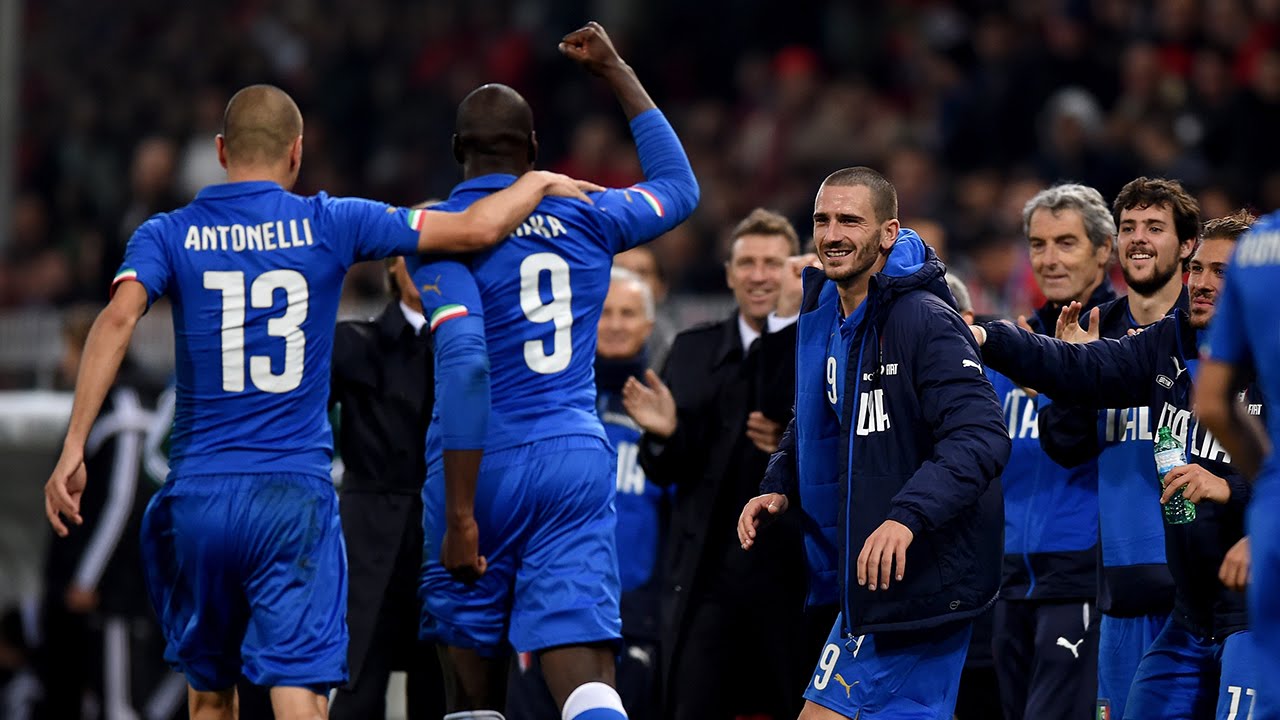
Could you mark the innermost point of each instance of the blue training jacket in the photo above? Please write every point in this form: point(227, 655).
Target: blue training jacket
point(1156, 369)
point(919, 440)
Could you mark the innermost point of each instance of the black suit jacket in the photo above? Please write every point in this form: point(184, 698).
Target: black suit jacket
point(715, 469)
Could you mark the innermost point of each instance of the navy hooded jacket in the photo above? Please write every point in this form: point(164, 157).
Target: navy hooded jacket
point(919, 440)
point(1155, 369)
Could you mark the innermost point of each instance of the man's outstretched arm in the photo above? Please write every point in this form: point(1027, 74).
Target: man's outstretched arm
point(104, 350)
point(670, 191)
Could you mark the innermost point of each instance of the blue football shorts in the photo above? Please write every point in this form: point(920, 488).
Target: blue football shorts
point(546, 517)
point(1122, 641)
point(248, 573)
point(901, 675)
point(1185, 676)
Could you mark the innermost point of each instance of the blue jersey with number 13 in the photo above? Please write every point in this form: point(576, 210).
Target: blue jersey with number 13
point(254, 274)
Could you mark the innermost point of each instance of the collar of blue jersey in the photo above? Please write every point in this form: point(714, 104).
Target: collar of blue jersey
point(234, 189)
point(484, 183)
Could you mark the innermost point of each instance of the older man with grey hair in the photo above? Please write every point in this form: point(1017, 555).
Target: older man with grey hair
point(1045, 643)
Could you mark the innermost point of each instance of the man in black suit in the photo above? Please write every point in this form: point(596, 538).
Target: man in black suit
point(730, 621)
point(382, 386)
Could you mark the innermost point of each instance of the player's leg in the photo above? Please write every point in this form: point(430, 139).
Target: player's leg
point(1064, 675)
point(569, 668)
point(567, 594)
point(1121, 645)
point(1177, 677)
point(1241, 680)
point(299, 703)
point(1013, 653)
point(527, 695)
point(473, 680)
point(211, 705)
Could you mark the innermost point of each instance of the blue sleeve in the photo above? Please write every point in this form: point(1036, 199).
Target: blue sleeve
point(1105, 373)
point(1228, 338)
point(451, 302)
point(667, 196)
point(371, 230)
point(970, 440)
point(1068, 433)
point(146, 261)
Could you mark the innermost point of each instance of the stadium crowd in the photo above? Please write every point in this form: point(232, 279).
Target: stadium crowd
point(974, 112)
point(968, 107)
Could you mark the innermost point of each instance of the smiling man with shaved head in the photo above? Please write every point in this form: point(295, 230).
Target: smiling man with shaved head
point(243, 547)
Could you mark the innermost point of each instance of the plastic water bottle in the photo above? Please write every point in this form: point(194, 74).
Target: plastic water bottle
point(1169, 455)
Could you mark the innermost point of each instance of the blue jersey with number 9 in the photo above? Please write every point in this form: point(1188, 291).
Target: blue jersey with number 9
point(254, 274)
point(543, 290)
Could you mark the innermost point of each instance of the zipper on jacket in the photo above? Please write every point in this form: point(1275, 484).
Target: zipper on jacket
point(848, 499)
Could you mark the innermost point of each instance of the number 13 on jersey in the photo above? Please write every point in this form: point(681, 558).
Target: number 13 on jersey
point(288, 326)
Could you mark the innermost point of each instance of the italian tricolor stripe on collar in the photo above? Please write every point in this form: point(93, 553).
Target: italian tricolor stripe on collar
point(446, 312)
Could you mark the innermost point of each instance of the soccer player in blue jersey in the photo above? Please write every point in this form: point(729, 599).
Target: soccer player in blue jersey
point(522, 548)
point(243, 547)
point(1243, 341)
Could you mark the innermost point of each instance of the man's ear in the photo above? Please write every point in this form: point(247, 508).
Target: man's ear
point(457, 148)
point(890, 234)
point(533, 147)
point(220, 143)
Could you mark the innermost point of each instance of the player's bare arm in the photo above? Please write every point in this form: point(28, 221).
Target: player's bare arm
point(487, 221)
point(103, 352)
point(757, 514)
point(460, 548)
point(591, 47)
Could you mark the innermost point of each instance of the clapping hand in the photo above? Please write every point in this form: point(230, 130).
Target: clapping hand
point(650, 404)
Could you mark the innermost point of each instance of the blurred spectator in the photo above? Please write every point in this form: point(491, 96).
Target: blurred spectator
point(1092, 92)
point(100, 645)
point(710, 423)
point(642, 261)
point(382, 393)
